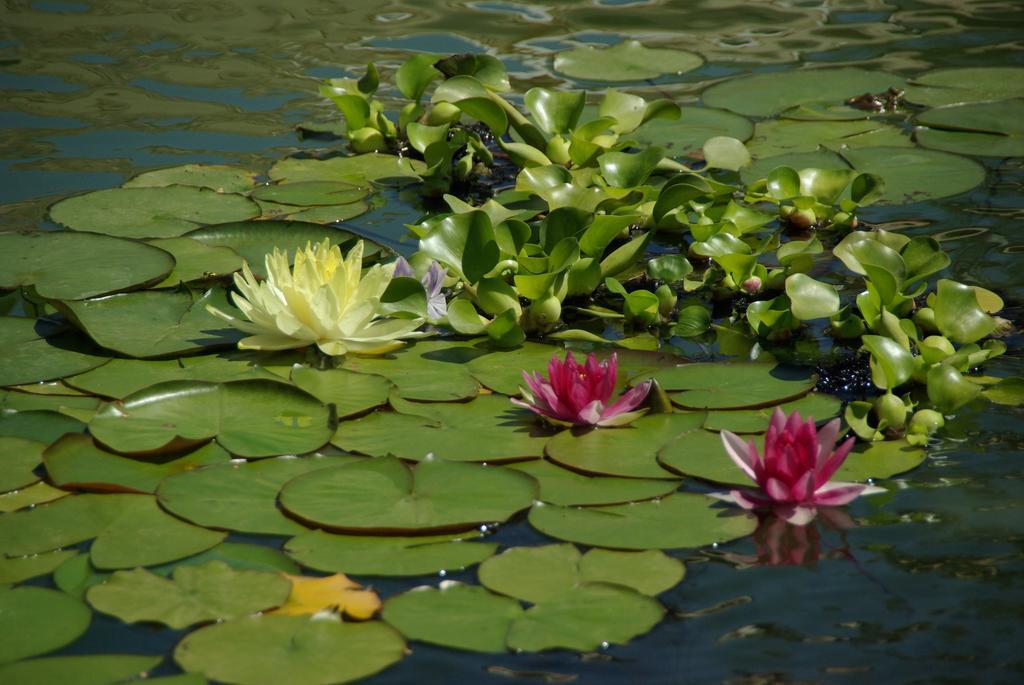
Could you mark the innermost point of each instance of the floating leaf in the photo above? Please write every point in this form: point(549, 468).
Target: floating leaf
point(965, 84)
point(18, 569)
point(990, 129)
point(311, 193)
point(332, 593)
point(783, 136)
point(253, 418)
point(383, 496)
point(151, 212)
point(733, 385)
point(289, 649)
point(428, 371)
point(350, 392)
point(219, 177)
point(34, 620)
point(92, 669)
point(687, 134)
point(723, 152)
point(119, 378)
point(39, 493)
point(42, 425)
point(880, 460)
point(195, 594)
point(626, 61)
point(28, 356)
point(814, 404)
point(357, 170)
point(567, 488)
point(700, 454)
point(913, 174)
point(196, 261)
point(18, 459)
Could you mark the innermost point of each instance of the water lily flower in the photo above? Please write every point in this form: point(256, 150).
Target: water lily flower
point(793, 473)
point(578, 395)
point(323, 300)
point(433, 281)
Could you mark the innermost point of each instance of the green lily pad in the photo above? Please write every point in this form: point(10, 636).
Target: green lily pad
point(34, 620)
point(988, 129)
point(567, 488)
point(966, 84)
point(151, 212)
point(454, 615)
point(92, 669)
point(239, 497)
point(387, 556)
point(219, 177)
point(19, 458)
point(814, 404)
point(65, 265)
point(38, 425)
point(733, 385)
point(784, 136)
point(239, 556)
point(76, 575)
point(700, 454)
point(384, 496)
point(327, 214)
point(681, 520)
point(538, 574)
point(75, 461)
point(195, 261)
point(155, 323)
point(913, 174)
point(687, 134)
point(76, 406)
point(253, 240)
point(628, 452)
point(253, 418)
point(17, 569)
point(311, 193)
point(298, 650)
point(427, 371)
point(28, 356)
point(119, 378)
point(880, 460)
point(763, 95)
point(626, 61)
point(350, 392)
point(61, 523)
point(38, 493)
point(486, 429)
point(356, 170)
point(194, 594)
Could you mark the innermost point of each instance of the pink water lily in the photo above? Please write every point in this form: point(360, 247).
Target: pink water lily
point(578, 395)
point(793, 474)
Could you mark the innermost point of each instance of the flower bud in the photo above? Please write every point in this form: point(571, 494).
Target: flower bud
point(926, 422)
point(802, 219)
point(546, 313)
point(751, 286)
point(891, 409)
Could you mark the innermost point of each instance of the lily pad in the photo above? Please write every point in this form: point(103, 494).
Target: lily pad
point(151, 212)
point(28, 356)
point(561, 486)
point(913, 174)
point(298, 650)
point(454, 615)
point(194, 594)
point(34, 620)
point(688, 133)
point(387, 556)
point(38, 425)
point(253, 418)
point(350, 392)
point(988, 129)
point(195, 261)
point(18, 569)
point(538, 574)
point(700, 454)
point(121, 377)
point(880, 460)
point(328, 214)
point(38, 493)
point(733, 385)
point(626, 61)
point(75, 461)
point(356, 170)
point(762, 95)
point(966, 84)
point(239, 497)
point(681, 520)
point(19, 458)
point(628, 452)
point(65, 265)
point(311, 193)
point(219, 177)
point(784, 136)
point(75, 406)
point(427, 371)
point(91, 669)
point(386, 496)
point(815, 404)
point(239, 556)
point(486, 429)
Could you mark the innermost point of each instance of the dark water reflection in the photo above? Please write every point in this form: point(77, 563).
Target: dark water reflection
point(928, 588)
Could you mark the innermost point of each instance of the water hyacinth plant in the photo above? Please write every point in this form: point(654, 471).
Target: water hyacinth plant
point(793, 473)
point(324, 299)
point(576, 394)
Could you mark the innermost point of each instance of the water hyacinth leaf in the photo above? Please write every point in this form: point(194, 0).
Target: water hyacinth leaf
point(155, 323)
point(64, 265)
point(628, 170)
point(299, 650)
point(948, 390)
point(733, 385)
point(311, 193)
point(383, 496)
point(561, 486)
point(965, 84)
point(958, 315)
point(18, 459)
point(219, 177)
point(783, 136)
point(337, 593)
point(669, 268)
point(34, 620)
point(17, 569)
point(679, 521)
point(194, 594)
point(35, 494)
point(556, 112)
point(627, 61)
point(254, 240)
point(252, 418)
point(29, 354)
point(75, 461)
point(820, 159)
point(464, 243)
point(1007, 391)
point(763, 95)
point(883, 459)
point(811, 299)
point(415, 74)
point(350, 392)
point(387, 556)
point(913, 174)
point(119, 378)
point(195, 261)
point(627, 452)
point(695, 125)
point(426, 371)
point(723, 152)
point(151, 212)
point(239, 497)
point(454, 615)
point(891, 364)
point(92, 669)
point(356, 170)
point(991, 129)
point(584, 618)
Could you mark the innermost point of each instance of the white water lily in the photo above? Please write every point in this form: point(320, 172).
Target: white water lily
point(324, 300)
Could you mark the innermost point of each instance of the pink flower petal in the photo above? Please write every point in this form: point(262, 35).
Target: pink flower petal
point(838, 493)
point(629, 401)
point(778, 421)
point(590, 415)
point(827, 439)
point(740, 453)
point(777, 490)
point(796, 515)
point(833, 462)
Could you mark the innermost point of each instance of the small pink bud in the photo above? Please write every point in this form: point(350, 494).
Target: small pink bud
point(752, 285)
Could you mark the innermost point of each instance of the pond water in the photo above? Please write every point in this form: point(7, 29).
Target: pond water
point(928, 588)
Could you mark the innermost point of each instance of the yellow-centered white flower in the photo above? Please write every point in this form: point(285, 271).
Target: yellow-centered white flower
point(323, 300)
